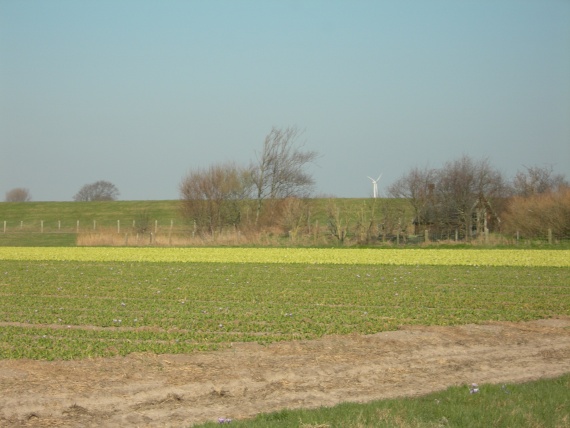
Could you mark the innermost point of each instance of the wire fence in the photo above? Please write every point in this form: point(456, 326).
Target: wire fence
point(41, 226)
point(517, 238)
point(174, 233)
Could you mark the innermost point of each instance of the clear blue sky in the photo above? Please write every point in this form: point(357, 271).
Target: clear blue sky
point(140, 92)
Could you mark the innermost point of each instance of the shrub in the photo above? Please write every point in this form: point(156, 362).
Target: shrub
point(532, 216)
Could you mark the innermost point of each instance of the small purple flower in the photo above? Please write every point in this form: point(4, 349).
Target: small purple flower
point(224, 420)
point(473, 389)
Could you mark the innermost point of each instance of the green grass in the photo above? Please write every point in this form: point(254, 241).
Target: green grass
point(84, 309)
point(24, 239)
point(106, 213)
point(24, 219)
point(66, 214)
point(542, 403)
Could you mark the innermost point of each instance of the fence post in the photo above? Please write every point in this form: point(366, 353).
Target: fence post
point(155, 226)
point(4, 226)
point(316, 231)
point(59, 225)
point(21, 224)
point(426, 235)
point(398, 233)
point(77, 226)
point(94, 224)
point(550, 236)
point(118, 226)
point(42, 226)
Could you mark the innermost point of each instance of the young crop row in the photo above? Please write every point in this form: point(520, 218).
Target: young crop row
point(444, 257)
point(70, 309)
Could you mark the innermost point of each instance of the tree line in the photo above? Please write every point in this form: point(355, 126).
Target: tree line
point(254, 195)
point(98, 191)
point(462, 199)
point(471, 197)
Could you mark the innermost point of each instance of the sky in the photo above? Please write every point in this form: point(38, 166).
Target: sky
point(140, 93)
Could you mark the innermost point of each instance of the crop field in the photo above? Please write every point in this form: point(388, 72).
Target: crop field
point(67, 303)
point(441, 257)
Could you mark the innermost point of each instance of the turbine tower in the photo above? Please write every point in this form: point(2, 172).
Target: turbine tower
point(375, 185)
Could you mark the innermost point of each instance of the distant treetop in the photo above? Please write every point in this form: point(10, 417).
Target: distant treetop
point(19, 194)
point(98, 191)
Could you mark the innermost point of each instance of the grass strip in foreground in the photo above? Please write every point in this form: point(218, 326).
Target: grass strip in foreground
point(543, 403)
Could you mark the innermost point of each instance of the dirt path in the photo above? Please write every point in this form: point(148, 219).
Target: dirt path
point(179, 390)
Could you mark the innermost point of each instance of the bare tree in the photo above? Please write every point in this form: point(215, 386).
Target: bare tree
point(393, 220)
point(211, 197)
point(141, 223)
point(98, 191)
point(366, 227)
point(295, 214)
point(535, 180)
point(337, 220)
point(461, 185)
point(417, 186)
point(533, 215)
point(18, 194)
point(453, 197)
point(280, 171)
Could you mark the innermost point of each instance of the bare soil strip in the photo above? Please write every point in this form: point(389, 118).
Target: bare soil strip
point(145, 390)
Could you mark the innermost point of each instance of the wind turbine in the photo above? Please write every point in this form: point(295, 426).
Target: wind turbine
point(375, 185)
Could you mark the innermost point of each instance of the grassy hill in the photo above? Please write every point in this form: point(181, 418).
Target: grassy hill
point(57, 223)
point(64, 215)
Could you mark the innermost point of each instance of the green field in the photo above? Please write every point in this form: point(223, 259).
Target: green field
point(118, 223)
point(76, 302)
point(62, 309)
point(50, 223)
point(106, 213)
point(55, 224)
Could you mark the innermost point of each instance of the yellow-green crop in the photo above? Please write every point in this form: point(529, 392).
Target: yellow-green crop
point(450, 257)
